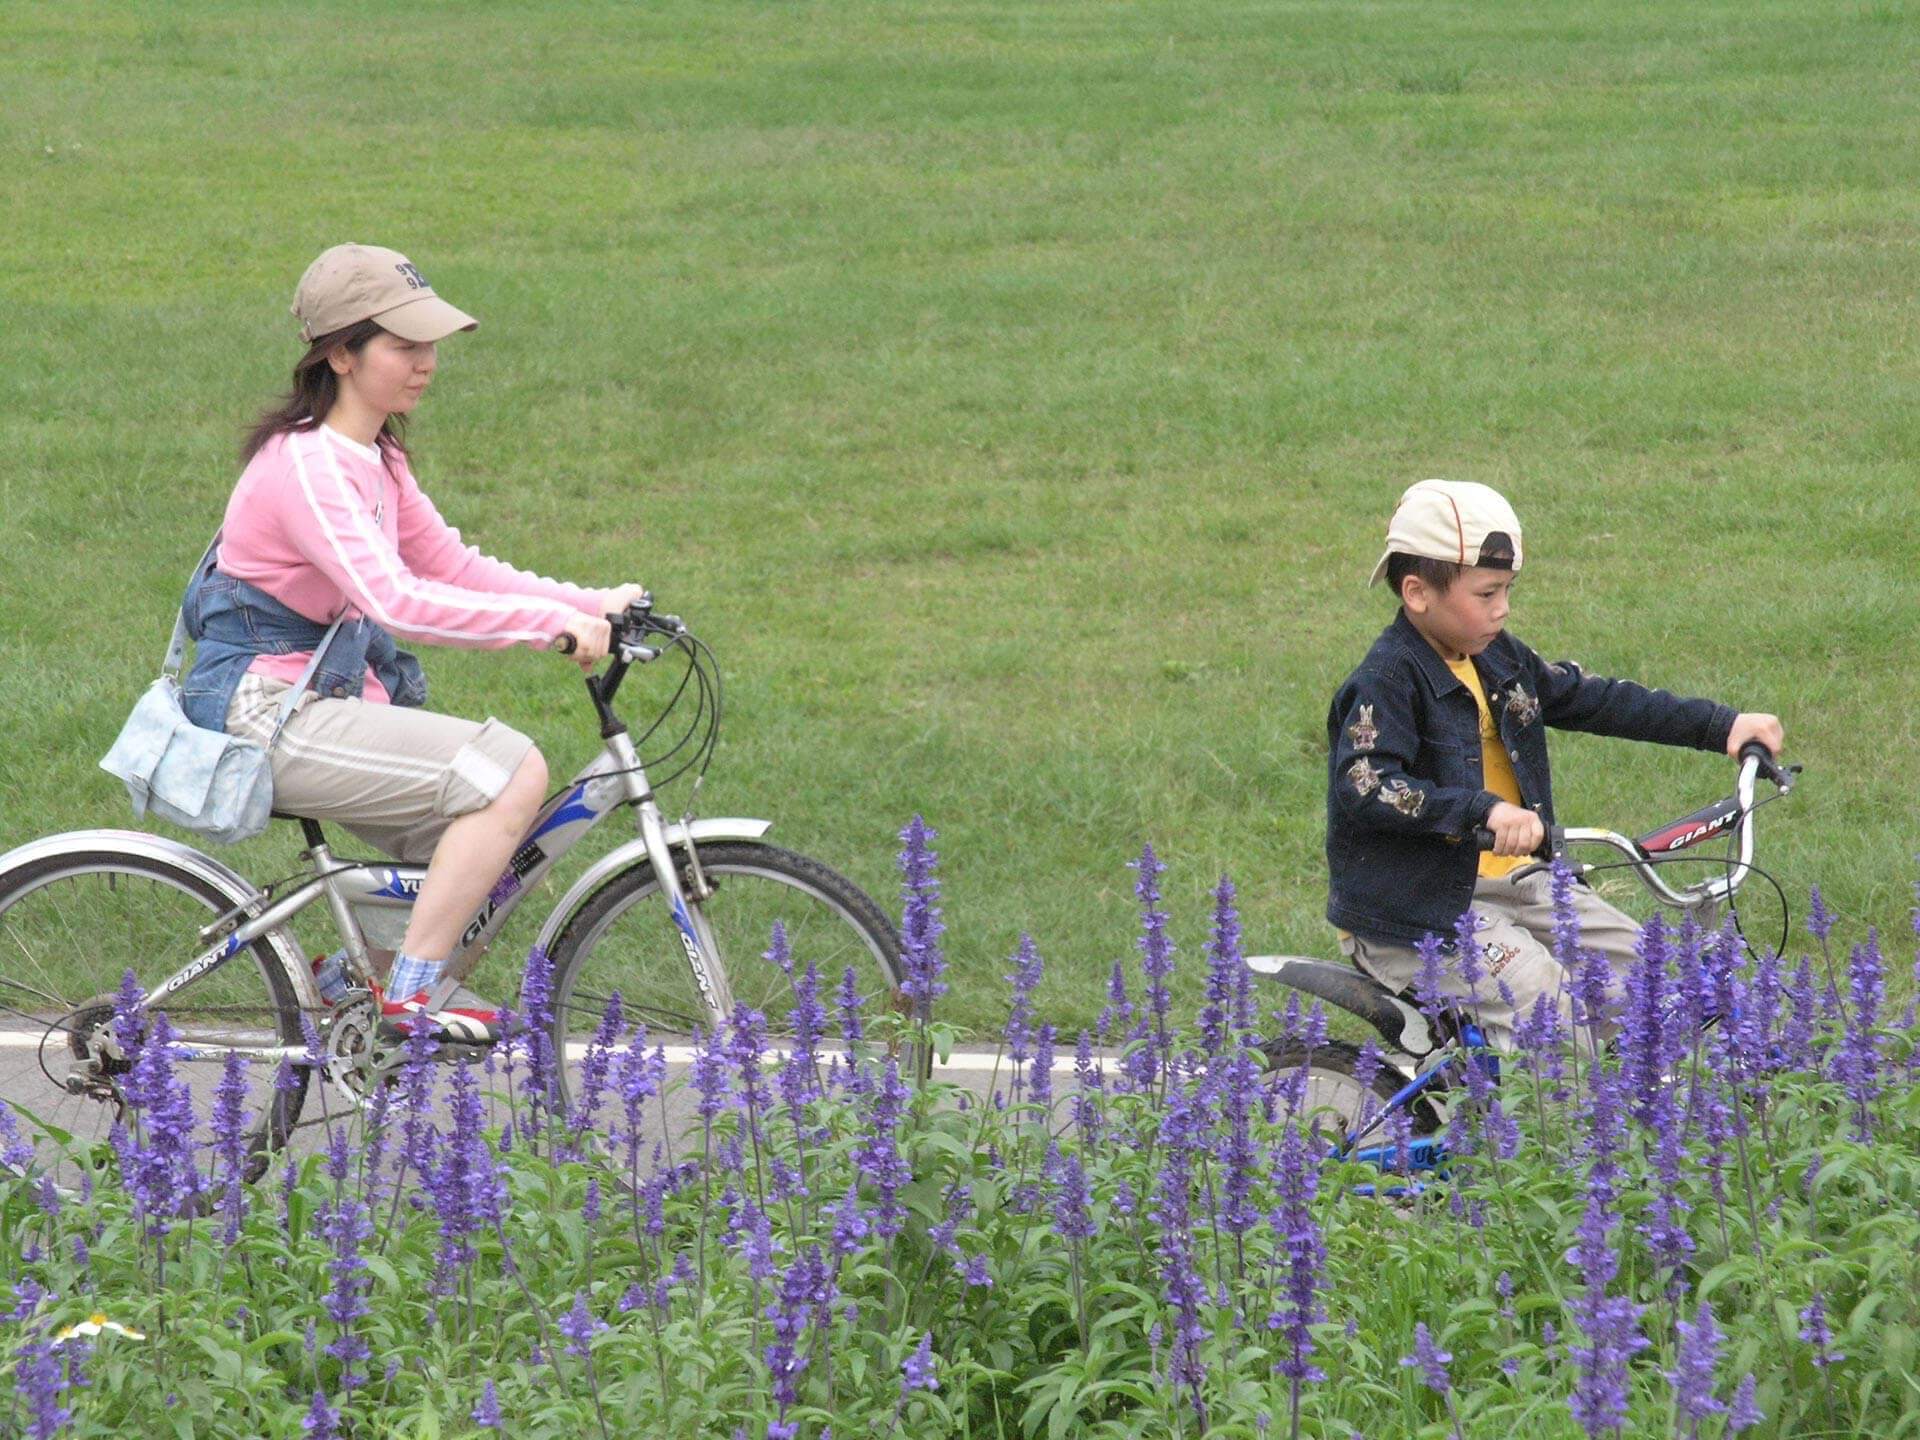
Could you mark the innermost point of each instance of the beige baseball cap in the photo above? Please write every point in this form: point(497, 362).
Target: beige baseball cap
point(1458, 520)
point(351, 283)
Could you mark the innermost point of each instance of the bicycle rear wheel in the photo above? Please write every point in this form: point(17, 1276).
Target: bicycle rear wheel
point(70, 927)
point(617, 942)
point(1335, 1100)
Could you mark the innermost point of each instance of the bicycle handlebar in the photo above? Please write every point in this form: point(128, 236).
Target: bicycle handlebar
point(1756, 762)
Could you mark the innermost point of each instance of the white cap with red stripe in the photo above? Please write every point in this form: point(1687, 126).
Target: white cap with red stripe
point(1458, 520)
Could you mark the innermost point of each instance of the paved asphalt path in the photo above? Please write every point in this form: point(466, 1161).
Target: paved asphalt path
point(977, 1070)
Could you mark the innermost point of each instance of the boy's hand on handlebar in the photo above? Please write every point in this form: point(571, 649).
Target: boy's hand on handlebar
point(1516, 831)
point(586, 638)
point(1748, 728)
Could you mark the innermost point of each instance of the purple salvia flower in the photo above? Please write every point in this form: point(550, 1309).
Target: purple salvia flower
point(1297, 1238)
point(1180, 1129)
point(596, 1068)
point(1224, 968)
point(1042, 1083)
point(850, 1004)
point(804, 1302)
point(1027, 967)
point(1468, 956)
point(536, 1012)
point(229, 1125)
point(920, 923)
point(746, 1045)
point(1610, 1323)
point(1117, 1017)
point(1796, 1038)
point(27, 1294)
point(1742, 1412)
point(1072, 1215)
point(130, 1014)
point(1090, 1083)
point(321, 1422)
point(637, 1077)
point(345, 1224)
point(16, 1151)
point(1156, 964)
point(1858, 1061)
point(42, 1380)
point(959, 1207)
point(807, 1019)
point(1429, 1359)
point(917, 1371)
point(579, 1327)
point(1819, 918)
point(1429, 984)
point(1238, 1155)
point(486, 1414)
point(878, 1156)
point(1814, 1330)
point(1698, 1352)
point(710, 1076)
point(1644, 1054)
point(1313, 1033)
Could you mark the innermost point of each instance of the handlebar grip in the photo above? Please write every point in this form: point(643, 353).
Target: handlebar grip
point(564, 644)
point(1482, 837)
point(1769, 767)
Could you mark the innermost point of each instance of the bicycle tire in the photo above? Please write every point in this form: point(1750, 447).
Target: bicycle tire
point(150, 930)
point(1335, 1088)
point(829, 919)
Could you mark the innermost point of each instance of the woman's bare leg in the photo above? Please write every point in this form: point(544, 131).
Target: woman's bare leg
point(469, 858)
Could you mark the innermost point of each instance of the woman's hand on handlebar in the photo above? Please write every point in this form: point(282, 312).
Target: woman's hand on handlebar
point(1756, 727)
point(587, 638)
point(615, 601)
point(1516, 831)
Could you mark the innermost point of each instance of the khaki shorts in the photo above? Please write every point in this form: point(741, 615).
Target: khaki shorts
point(393, 775)
point(1516, 940)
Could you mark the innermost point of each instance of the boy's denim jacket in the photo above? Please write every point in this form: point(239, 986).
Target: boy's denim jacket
point(232, 622)
point(1404, 785)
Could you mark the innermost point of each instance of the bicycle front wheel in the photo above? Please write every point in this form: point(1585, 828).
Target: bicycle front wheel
point(617, 942)
point(70, 927)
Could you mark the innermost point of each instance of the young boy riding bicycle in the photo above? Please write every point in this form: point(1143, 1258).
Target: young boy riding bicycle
point(1441, 731)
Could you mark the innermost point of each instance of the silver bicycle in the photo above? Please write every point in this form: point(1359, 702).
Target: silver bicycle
point(676, 922)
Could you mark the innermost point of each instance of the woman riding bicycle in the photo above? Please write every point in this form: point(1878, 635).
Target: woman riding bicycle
point(328, 521)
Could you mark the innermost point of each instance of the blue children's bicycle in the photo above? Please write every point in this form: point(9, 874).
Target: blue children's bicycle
point(1353, 1103)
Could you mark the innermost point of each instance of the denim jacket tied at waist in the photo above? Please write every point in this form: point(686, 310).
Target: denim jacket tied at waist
point(1404, 782)
point(232, 622)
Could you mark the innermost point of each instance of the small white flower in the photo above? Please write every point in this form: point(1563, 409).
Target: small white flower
point(96, 1324)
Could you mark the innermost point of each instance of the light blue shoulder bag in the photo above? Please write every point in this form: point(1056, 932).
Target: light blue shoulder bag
point(205, 780)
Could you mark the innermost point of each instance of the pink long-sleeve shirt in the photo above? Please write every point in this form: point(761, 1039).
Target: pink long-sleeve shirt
point(321, 523)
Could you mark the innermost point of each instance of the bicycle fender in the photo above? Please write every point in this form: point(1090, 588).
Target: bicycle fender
point(634, 852)
point(234, 887)
point(1398, 1023)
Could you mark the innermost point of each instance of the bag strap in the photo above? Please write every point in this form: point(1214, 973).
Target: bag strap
point(177, 647)
point(293, 696)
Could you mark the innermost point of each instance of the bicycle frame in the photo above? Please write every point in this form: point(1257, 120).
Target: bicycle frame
point(613, 779)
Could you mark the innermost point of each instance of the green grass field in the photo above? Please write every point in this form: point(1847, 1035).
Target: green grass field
point(1014, 392)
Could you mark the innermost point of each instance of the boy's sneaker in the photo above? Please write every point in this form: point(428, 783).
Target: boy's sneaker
point(451, 1014)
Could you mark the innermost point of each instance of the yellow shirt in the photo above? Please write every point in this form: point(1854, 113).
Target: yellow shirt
point(1495, 767)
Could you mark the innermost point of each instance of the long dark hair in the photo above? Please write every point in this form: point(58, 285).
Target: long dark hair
point(315, 388)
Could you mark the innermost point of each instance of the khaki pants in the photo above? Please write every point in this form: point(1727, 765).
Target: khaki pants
point(393, 775)
point(1516, 938)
